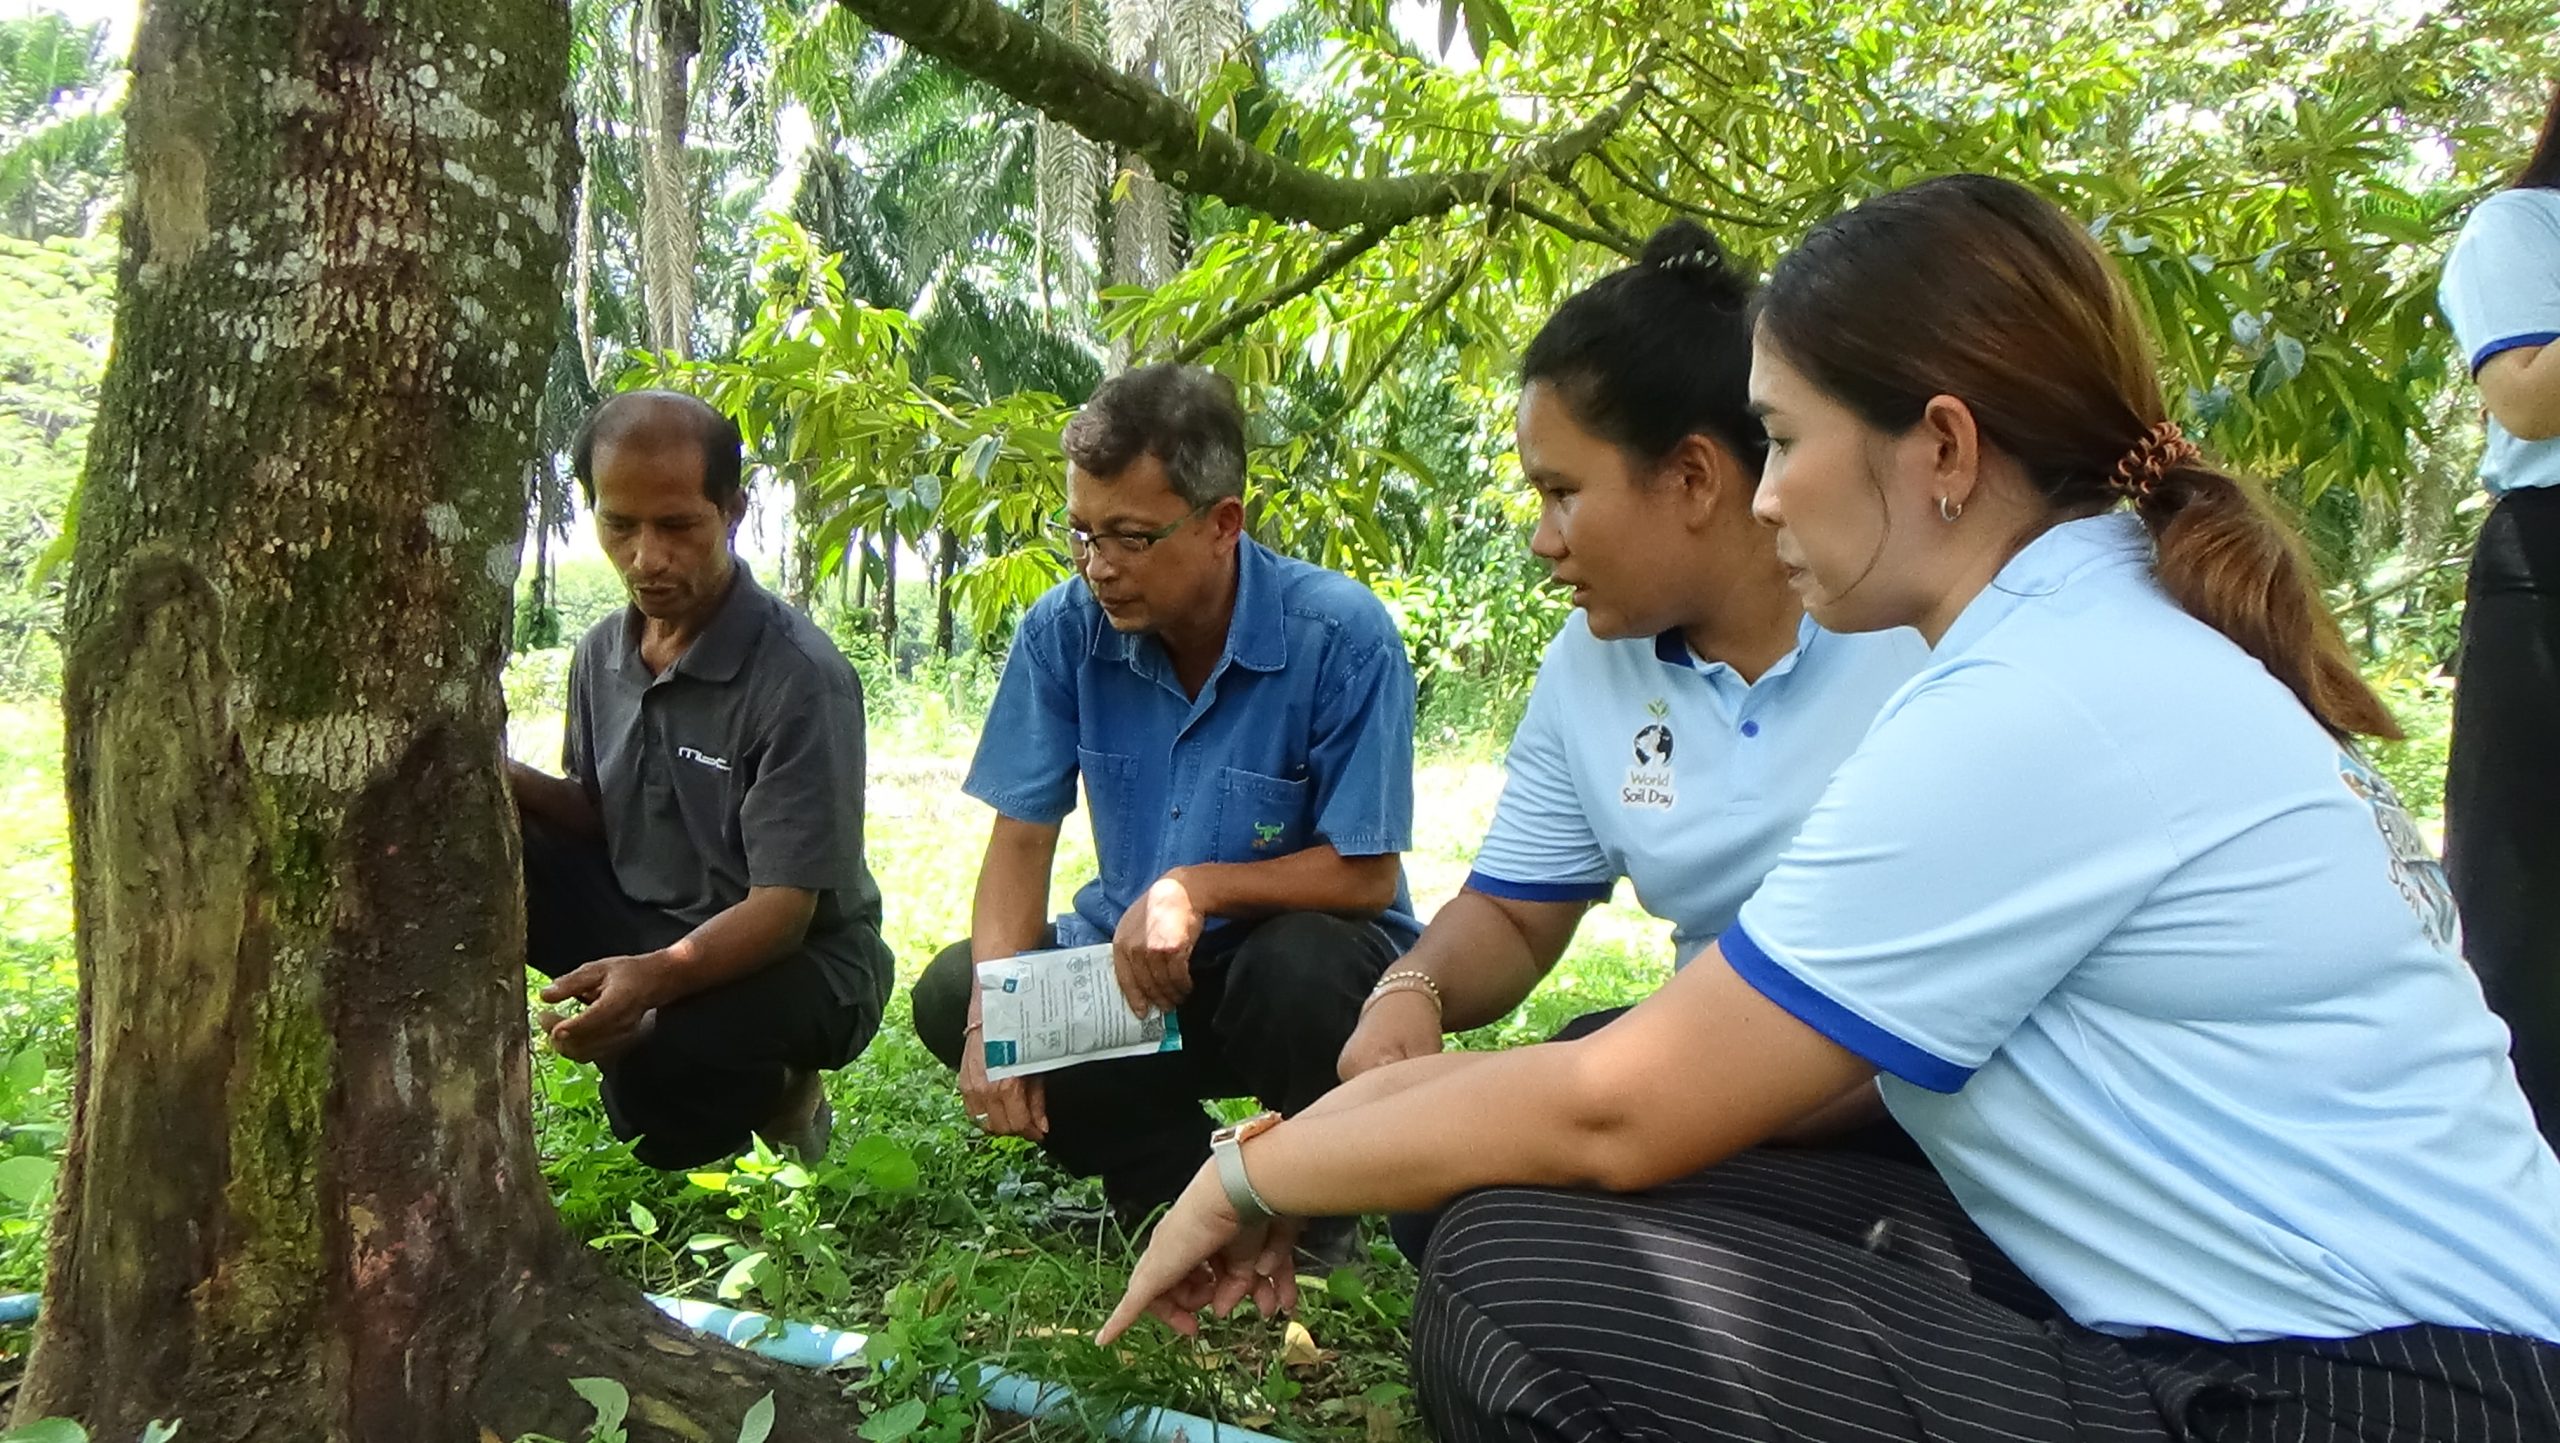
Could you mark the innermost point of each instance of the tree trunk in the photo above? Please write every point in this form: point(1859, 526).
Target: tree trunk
point(301, 1199)
point(670, 242)
point(946, 568)
point(889, 600)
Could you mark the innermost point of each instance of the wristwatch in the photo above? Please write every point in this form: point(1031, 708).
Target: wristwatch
point(1226, 1148)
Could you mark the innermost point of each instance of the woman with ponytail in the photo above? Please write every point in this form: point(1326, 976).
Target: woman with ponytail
point(2502, 793)
point(2134, 945)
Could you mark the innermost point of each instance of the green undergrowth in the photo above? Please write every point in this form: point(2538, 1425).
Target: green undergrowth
point(945, 1249)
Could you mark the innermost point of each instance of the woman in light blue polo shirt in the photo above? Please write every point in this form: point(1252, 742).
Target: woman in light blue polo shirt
point(2502, 792)
point(2106, 908)
point(1689, 713)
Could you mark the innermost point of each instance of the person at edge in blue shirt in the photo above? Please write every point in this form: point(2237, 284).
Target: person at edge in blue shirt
point(2107, 911)
point(1689, 713)
point(1243, 724)
point(2502, 794)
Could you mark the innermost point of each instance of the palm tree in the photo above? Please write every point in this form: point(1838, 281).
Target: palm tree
point(60, 143)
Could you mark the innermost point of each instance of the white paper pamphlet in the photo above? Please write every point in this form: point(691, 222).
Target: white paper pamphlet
point(1046, 1010)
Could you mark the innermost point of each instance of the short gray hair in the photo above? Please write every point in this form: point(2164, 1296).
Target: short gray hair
point(1187, 417)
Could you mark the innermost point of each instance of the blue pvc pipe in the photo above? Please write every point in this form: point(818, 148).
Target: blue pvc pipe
point(813, 1345)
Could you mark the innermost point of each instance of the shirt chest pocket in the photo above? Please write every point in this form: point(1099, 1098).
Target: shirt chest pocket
point(1111, 787)
point(1261, 817)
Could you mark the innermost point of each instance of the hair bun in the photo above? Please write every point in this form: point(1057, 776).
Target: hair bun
point(1687, 249)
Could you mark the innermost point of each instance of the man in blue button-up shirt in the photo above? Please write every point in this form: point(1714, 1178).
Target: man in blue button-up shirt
point(1243, 724)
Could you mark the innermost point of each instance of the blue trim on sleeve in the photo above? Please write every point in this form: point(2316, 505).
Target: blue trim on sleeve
point(1540, 891)
point(2511, 343)
point(1915, 1065)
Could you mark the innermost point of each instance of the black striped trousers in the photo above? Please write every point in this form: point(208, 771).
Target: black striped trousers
point(1821, 1297)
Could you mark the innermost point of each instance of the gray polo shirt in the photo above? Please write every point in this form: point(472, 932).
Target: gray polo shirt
point(738, 766)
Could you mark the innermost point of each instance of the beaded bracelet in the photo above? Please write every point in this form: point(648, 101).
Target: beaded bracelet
point(1405, 980)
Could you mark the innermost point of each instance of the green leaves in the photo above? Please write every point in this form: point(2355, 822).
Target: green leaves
point(895, 1423)
point(25, 1180)
point(612, 1403)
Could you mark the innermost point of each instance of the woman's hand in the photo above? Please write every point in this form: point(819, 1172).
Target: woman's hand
point(1200, 1259)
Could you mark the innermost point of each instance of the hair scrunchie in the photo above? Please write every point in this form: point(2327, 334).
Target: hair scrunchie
point(2161, 450)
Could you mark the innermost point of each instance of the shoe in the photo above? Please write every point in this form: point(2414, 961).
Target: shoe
point(805, 1140)
point(1327, 1245)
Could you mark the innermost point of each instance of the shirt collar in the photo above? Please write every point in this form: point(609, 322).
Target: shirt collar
point(1673, 650)
point(1256, 638)
point(721, 649)
point(2046, 565)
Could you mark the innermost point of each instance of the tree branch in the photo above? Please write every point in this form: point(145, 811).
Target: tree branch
point(1599, 213)
point(1360, 243)
point(1067, 83)
point(1665, 199)
point(1631, 249)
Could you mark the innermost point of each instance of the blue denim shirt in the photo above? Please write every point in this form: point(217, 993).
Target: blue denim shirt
point(1302, 735)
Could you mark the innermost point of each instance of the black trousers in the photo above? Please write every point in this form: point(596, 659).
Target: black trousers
point(1271, 1004)
point(718, 1062)
point(2502, 786)
point(1826, 1297)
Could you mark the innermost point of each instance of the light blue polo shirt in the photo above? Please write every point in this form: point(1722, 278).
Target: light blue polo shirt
point(2163, 978)
point(1302, 735)
point(1637, 759)
point(2501, 290)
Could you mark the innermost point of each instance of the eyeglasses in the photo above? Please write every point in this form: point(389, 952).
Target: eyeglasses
point(1121, 545)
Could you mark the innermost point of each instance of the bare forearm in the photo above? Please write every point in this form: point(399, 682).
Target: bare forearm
point(1449, 1124)
point(1626, 1108)
point(748, 937)
point(554, 802)
point(1318, 879)
point(1010, 912)
point(1486, 956)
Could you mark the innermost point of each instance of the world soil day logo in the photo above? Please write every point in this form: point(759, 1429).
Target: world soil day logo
point(1649, 782)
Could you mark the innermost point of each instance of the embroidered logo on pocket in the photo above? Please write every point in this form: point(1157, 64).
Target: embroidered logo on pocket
point(1266, 833)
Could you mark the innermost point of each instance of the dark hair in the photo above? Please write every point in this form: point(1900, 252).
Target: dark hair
point(1647, 356)
point(1187, 417)
point(662, 418)
point(1980, 289)
point(2542, 172)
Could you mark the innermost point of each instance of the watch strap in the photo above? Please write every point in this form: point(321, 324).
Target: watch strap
point(1226, 1149)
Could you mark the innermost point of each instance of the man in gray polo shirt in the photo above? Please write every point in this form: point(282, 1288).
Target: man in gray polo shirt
point(697, 879)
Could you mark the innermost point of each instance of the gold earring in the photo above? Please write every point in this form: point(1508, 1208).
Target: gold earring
point(1949, 512)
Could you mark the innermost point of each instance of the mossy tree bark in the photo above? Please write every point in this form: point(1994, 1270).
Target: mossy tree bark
point(301, 1200)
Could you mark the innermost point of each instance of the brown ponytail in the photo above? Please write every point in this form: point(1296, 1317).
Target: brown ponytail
point(1978, 288)
point(2236, 568)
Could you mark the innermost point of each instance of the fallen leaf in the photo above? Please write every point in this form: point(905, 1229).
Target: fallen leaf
point(1298, 1346)
point(676, 1346)
point(658, 1413)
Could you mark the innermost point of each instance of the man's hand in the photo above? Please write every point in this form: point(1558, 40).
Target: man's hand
point(1398, 1025)
point(1151, 951)
point(1015, 1107)
point(622, 995)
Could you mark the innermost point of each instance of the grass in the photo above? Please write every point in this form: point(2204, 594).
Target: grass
point(915, 1230)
